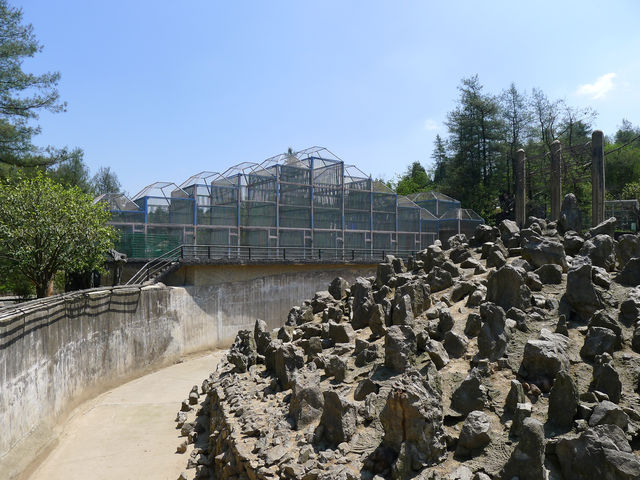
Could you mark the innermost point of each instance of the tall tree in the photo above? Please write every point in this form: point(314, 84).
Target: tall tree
point(439, 157)
point(517, 116)
point(72, 173)
point(105, 181)
point(415, 179)
point(23, 95)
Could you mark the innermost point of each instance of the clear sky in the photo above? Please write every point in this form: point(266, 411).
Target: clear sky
point(159, 90)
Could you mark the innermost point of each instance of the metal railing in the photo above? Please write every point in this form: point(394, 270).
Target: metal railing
point(273, 254)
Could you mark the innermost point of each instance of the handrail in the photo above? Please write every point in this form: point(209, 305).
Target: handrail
point(155, 265)
point(244, 253)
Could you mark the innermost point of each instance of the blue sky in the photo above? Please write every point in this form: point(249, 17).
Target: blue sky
point(160, 90)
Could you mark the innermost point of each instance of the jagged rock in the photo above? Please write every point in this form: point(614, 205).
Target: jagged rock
point(470, 263)
point(457, 240)
point(399, 347)
point(459, 254)
point(338, 420)
point(550, 274)
point(514, 397)
point(509, 233)
point(494, 333)
point(635, 340)
point(461, 289)
point(455, 344)
point(507, 288)
point(261, 336)
point(384, 273)
point(561, 326)
point(581, 294)
point(284, 335)
point(321, 300)
point(461, 473)
point(412, 422)
point(306, 402)
point(608, 227)
point(364, 388)
point(627, 247)
point(545, 252)
point(368, 355)
point(598, 341)
point(445, 322)
point(419, 292)
point(545, 357)
point(299, 315)
point(533, 282)
point(476, 297)
point(377, 322)
point(341, 332)
point(398, 264)
point(432, 256)
point(362, 303)
point(437, 353)
point(608, 413)
point(527, 460)
point(288, 359)
point(473, 325)
point(448, 266)
point(601, 452)
point(496, 259)
point(470, 395)
point(336, 366)
point(522, 412)
point(606, 378)
point(485, 233)
point(572, 243)
point(402, 311)
point(570, 215)
point(519, 317)
point(630, 307)
point(600, 278)
point(338, 288)
point(563, 400)
point(600, 249)
point(242, 353)
point(439, 279)
point(630, 274)
point(475, 433)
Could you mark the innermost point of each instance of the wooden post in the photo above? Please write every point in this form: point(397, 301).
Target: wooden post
point(597, 177)
point(556, 181)
point(521, 194)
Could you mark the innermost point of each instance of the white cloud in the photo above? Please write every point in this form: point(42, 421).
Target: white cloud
point(599, 88)
point(430, 125)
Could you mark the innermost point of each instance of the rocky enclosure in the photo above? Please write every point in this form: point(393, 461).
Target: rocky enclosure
point(512, 354)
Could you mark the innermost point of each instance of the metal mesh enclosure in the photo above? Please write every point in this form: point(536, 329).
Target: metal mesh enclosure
point(456, 221)
point(302, 201)
point(437, 203)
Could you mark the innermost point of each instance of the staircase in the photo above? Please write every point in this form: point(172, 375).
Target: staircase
point(154, 269)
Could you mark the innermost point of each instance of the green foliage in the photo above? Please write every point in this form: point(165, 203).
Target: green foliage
point(23, 95)
point(105, 181)
point(415, 179)
point(72, 173)
point(45, 228)
point(631, 191)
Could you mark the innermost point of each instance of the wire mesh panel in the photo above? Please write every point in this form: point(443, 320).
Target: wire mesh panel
point(626, 212)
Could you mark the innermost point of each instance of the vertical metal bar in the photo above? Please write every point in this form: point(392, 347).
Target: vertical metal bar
point(311, 177)
point(209, 252)
point(278, 205)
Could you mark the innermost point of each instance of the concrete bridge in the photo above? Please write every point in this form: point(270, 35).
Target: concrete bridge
point(58, 352)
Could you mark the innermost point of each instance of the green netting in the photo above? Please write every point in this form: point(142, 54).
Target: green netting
point(181, 211)
point(123, 216)
point(357, 200)
point(327, 218)
point(354, 240)
point(356, 221)
point(382, 241)
point(407, 241)
point(384, 221)
point(212, 236)
point(295, 217)
point(325, 240)
point(327, 197)
point(291, 238)
point(295, 195)
point(140, 245)
point(329, 175)
point(383, 202)
point(254, 238)
point(408, 219)
point(254, 214)
point(218, 215)
point(292, 174)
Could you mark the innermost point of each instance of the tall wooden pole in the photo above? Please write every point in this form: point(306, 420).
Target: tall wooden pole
point(556, 181)
point(521, 194)
point(597, 177)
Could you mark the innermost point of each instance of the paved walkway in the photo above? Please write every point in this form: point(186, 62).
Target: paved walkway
point(129, 432)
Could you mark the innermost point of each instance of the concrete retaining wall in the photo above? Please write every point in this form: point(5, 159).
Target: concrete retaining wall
point(58, 352)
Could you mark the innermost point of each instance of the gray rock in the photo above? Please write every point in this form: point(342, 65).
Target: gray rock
point(485, 233)
point(457, 240)
point(402, 311)
point(607, 227)
point(364, 388)
point(563, 400)
point(470, 395)
point(509, 233)
point(307, 401)
point(608, 413)
point(630, 307)
point(242, 353)
point(494, 333)
point(431, 257)
point(377, 323)
point(437, 353)
point(630, 274)
point(419, 293)
point(321, 300)
point(461, 289)
point(384, 273)
point(550, 274)
point(336, 366)
point(514, 397)
point(288, 359)
point(451, 268)
point(399, 347)
point(519, 317)
point(338, 288)
point(476, 297)
point(600, 249)
point(527, 460)
point(570, 215)
point(455, 344)
point(341, 332)
point(459, 254)
point(439, 279)
point(507, 288)
point(533, 282)
point(362, 303)
point(523, 411)
point(473, 325)
point(545, 357)
point(601, 452)
point(261, 336)
point(475, 432)
point(581, 294)
point(627, 247)
point(539, 253)
point(572, 243)
point(606, 378)
point(598, 341)
point(338, 420)
point(496, 259)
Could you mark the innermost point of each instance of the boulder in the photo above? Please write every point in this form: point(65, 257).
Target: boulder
point(514, 397)
point(494, 333)
point(362, 303)
point(485, 233)
point(470, 395)
point(599, 453)
point(432, 256)
point(509, 233)
point(550, 274)
point(598, 341)
point(570, 215)
point(539, 253)
point(455, 344)
point(459, 254)
point(341, 332)
point(606, 378)
point(608, 413)
point(384, 273)
point(607, 227)
point(601, 252)
point(377, 322)
point(630, 274)
point(307, 401)
point(475, 433)
point(402, 311)
point(507, 288)
point(572, 243)
point(261, 336)
point(321, 300)
point(545, 357)
point(338, 288)
point(288, 359)
point(627, 247)
point(399, 347)
point(563, 401)
point(439, 279)
point(437, 353)
point(242, 353)
point(461, 289)
point(581, 294)
point(419, 292)
point(338, 420)
point(457, 240)
point(473, 325)
point(527, 460)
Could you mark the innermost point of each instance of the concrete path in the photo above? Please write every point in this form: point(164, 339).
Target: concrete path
point(129, 432)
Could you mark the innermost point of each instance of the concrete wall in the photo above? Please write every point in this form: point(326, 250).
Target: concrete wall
point(58, 352)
